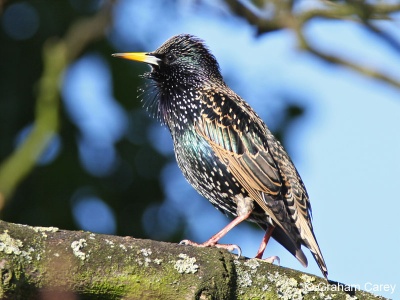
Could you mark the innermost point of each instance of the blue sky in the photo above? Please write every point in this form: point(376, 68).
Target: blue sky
point(346, 148)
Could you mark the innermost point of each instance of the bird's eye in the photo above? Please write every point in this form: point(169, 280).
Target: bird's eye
point(170, 57)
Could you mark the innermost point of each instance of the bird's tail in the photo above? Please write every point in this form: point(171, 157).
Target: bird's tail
point(308, 240)
point(311, 243)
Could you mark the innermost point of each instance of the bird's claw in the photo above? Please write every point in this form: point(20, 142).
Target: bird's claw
point(188, 242)
point(229, 247)
point(272, 259)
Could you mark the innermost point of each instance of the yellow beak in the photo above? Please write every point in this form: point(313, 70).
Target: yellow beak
point(139, 56)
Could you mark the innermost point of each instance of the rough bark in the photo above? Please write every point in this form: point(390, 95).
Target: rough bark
point(49, 263)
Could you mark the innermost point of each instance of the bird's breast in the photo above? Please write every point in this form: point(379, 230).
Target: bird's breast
point(205, 172)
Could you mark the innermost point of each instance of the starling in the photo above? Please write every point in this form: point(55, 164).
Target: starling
point(225, 150)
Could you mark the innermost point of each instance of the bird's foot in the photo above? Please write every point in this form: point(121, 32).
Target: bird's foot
point(272, 259)
point(229, 247)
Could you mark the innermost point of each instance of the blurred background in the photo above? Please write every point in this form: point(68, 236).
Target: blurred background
point(77, 150)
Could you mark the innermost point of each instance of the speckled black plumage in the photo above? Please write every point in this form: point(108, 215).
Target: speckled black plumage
point(225, 150)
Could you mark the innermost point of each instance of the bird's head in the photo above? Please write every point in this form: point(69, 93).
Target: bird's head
point(182, 60)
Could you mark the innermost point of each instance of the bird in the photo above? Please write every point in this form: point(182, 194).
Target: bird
point(225, 150)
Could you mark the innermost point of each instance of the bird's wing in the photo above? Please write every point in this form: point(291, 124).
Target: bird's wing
point(259, 163)
point(242, 141)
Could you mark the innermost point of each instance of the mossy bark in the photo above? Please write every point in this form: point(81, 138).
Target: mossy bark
point(48, 263)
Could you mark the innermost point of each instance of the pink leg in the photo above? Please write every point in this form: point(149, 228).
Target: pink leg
point(212, 242)
point(264, 242)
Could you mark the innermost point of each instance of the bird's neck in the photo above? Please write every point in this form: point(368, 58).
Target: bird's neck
point(180, 107)
point(180, 103)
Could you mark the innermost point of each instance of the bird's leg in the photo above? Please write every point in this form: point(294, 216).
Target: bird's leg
point(263, 245)
point(213, 241)
point(264, 241)
point(244, 209)
point(215, 238)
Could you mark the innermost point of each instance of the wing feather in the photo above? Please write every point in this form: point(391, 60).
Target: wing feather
point(239, 138)
point(262, 167)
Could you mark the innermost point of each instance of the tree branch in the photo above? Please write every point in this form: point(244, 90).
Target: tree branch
point(45, 262)
point(304, 44)
point(284, 17)
point(384, 36)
